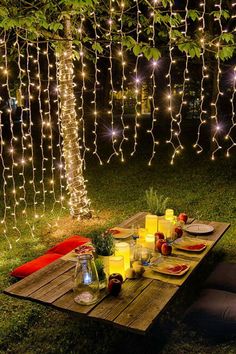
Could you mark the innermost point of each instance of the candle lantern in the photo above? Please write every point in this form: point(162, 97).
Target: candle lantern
point(116, 265)
point(123, 249)
point(151, 224)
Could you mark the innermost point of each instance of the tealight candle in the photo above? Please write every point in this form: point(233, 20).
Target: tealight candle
point(165, 226)
point(151, 224)
point(123, 249)
point(116, 265)
point(169, 214)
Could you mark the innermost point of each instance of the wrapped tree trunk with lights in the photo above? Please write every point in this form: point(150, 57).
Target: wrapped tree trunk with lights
point(79, 203)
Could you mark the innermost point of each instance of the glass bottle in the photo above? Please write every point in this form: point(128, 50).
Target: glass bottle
point(86, 283)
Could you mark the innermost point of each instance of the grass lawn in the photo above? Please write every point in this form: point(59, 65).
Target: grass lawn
point(195, 185)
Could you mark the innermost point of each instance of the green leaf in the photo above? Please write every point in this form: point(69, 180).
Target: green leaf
point(193, 14)
point(97, 47)
point(227, 37)
point(137, 49)
point(226, 52)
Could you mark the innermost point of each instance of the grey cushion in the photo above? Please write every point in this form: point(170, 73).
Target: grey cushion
point(214, 312)
point(223, 277)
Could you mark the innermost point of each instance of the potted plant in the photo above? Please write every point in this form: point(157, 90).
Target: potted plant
point(156, 204)
point(101, 273)
point(104, 245)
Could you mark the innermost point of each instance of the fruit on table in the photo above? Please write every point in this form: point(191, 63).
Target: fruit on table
point(116, 276)
point(159, 235)
point(114, 286)
point(139, 270)
point(166, 249)
point(130, 273)
point(159, 244)
point(183, 217)
point(178, 231)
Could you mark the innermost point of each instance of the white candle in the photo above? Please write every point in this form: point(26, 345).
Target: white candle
point(149, 241)
point(151, 224)
point(123, 249)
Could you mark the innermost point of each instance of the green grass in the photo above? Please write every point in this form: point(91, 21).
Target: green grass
point(198, 186)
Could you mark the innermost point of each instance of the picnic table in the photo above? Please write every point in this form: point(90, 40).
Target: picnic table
point(140, 302)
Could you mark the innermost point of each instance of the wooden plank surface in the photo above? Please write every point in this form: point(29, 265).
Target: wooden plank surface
point(144, 309)
point(135, 308)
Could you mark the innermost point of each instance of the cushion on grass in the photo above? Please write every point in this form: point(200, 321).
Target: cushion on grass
point(214, 312)
point(30, 267)
point(68, 245)
point(223, 277)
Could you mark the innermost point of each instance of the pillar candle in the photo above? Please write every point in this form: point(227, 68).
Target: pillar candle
point(116, 265)
point(165, 226)
point(123, 249)
point(151, 224)
point(149, 241)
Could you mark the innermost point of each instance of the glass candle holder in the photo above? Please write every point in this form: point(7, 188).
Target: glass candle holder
point(116, 265)
point(169, 214)
point(149, 241)
point(123, 249)
point(165, 226)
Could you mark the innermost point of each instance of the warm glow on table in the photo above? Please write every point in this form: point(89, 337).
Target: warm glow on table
point(151, 224)
point(169, 214)
point(165, 226)
point(123, 249)
point(116, 265)
point(142, 233)
point(149, 241)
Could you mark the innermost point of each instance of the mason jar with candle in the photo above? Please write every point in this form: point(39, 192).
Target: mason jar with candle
point(151, 222)
point(86, 283)
point(123, 249)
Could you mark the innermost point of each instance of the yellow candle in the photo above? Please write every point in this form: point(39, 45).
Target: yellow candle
point(123, 249)
point(169, 214)
point(142, 233)
point(151, 224)
point(149, 241)
point(116, 265)
point(165, 226)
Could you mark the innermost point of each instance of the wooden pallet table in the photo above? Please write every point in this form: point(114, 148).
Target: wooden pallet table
point(136, 308)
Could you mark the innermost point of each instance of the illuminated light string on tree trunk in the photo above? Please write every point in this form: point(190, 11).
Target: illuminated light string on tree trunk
point(203, 112)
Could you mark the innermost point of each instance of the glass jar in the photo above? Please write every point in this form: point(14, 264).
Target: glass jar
point(86, 283)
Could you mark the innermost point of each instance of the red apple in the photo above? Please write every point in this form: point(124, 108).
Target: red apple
point(166, 249)
point(159, 244)
point(159, 235)
point(183, 217)
point(114, 286)
point(116, 276)
point(178, 231)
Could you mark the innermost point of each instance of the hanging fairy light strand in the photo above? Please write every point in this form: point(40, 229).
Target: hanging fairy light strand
point(83, 89)
point(229, 135)
point(168, 76)
point(49, 124)
point(179, 116)
point(123, 79)
point(214, 104)
point(202, 119)
point(137, 80)
point(96, 83)
point(23, 138)
point(112, 91)
point(12, 141)
point(153, 100)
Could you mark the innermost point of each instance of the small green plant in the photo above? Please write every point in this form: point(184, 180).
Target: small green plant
point(104, 243)
point(100, 269)
point(156, 204)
